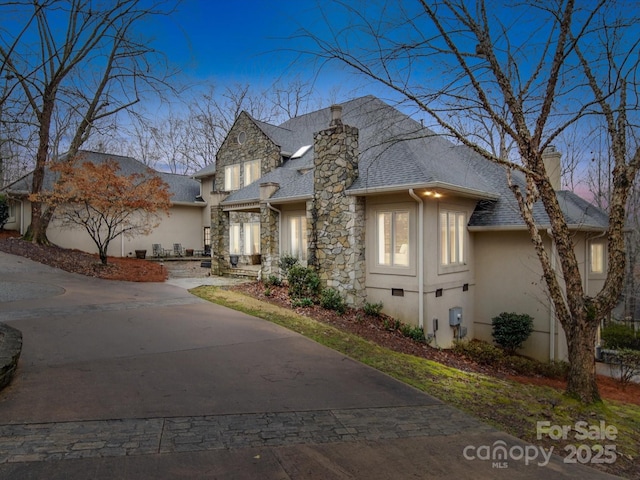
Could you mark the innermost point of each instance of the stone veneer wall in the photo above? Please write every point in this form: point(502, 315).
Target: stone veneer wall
point(269, 231)
point(219, 234)
point(269, 241)
point(256, 146)
point(338, 220)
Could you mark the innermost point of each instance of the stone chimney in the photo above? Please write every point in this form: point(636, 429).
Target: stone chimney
point(551, 158)
point(336, 115)
point(336, 246)
point(267, 189)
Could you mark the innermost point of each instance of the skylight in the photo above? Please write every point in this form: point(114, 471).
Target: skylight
point(301, 151)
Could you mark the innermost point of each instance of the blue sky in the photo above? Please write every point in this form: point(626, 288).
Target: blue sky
point(238, 41)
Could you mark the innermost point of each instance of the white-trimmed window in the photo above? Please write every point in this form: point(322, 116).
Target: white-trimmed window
point(392, 242)
point(452, 238)
point(251, 171)
point(231, 178)
point(207, 236)
point(251, 238)
point(298, 237)
point(12, 211)
point(596, 257)
point(234, 239)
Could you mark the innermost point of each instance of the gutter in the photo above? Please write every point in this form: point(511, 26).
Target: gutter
point(189, 204)
point(523, 228)
point(466, 192)
point(420, 257)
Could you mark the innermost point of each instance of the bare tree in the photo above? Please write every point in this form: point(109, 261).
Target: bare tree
point(80, 62)
point(551, 64)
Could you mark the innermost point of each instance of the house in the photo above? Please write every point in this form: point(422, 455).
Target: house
point(388, 211)
point(188, 222)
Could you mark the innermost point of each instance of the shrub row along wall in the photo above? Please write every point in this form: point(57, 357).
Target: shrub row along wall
point(10, 348)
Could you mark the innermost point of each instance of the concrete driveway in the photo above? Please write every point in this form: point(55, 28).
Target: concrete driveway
point(123, 380)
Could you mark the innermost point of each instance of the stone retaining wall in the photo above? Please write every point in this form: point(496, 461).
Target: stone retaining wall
point(10, 348)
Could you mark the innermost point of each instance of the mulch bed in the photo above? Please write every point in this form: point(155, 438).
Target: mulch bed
point(75, 261)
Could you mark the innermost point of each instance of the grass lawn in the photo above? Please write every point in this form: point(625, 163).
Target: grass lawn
point(510, 406)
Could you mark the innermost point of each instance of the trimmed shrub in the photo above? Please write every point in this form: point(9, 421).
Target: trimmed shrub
point(390, 324)
point(480, 352)
point(4, 211)
point(332, 300)
point(625, 366)
point(273, 281)
point(413, 332)
point(303, 282)
point(373, 309)
point(617, 336)
point(286, 262)
point(302, 302)
point(510, 330)
point(553, 369)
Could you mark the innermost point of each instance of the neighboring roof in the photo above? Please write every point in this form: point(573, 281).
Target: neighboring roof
point(183, 189)
point(207, 171)
point(398, 153)
point(503, 212)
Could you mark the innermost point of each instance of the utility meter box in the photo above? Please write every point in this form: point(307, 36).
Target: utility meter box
point(455, 316)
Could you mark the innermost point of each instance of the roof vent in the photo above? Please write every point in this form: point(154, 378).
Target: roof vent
point(336, 115)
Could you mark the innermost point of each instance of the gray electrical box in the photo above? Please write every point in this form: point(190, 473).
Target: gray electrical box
point(455, 316)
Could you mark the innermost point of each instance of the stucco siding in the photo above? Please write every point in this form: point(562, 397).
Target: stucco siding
point(182, 226)
point(444, 288)
point(509, 279)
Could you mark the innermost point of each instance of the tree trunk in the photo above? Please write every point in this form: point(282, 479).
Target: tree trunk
point(581, 340)
point(39, 221)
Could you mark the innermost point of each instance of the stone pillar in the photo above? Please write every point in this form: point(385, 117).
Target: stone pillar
point(269, 231)
point(219, 233)
point(337, 219)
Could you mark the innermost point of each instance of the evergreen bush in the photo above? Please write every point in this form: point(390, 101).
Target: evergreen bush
point(617, 336)
point(510, 330)
point(4, 211)
point(332, 300)
point(303, 282)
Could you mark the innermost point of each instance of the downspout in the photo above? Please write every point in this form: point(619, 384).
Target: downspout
point(21, 216)
point(274, 209)
point(420, 257)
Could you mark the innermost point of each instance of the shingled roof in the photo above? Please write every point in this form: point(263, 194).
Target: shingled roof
point(183, 189)
point(398, 153)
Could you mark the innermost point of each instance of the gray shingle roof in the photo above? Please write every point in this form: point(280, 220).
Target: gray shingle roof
point(396, 153)
point(504, 211)
point(207, 171)
point(183, 188)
